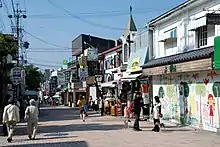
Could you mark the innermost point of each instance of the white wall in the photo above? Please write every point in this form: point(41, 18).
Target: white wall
point(186, 40)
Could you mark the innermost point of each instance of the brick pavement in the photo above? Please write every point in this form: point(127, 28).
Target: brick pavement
point(60, 126)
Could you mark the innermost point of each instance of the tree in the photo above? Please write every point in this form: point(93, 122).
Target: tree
point(33, 77)
point(8, 46)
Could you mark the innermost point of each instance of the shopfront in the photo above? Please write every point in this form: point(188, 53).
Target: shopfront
point(187, 88)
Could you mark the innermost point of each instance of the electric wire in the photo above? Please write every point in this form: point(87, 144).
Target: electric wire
point(42, 40)
point(85, 20)
point(7, 11)
point(46, 61)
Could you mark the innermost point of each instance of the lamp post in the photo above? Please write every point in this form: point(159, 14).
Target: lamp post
point(200, 109)
point(218, 108)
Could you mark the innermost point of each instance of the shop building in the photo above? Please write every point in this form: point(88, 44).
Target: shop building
point(181, 70)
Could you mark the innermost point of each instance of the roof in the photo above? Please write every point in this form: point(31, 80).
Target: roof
point(131, 27)
point(111, 50)
point(169, 12)
point(76, 52)
point(182, 57)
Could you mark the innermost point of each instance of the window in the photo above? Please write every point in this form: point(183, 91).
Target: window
point(202, 36)
point(125, 53)
point(115, 61)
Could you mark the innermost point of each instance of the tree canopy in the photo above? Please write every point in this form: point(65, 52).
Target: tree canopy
point(8, 45)
point(33, 78)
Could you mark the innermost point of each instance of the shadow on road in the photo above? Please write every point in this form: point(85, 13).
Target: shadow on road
point(71, 128)
point(57, 144)
point(60, 114)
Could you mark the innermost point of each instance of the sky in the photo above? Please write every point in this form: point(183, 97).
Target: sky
point(51, 25)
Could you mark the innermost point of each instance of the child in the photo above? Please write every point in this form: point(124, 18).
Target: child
point(156, 114)
point(31, 116)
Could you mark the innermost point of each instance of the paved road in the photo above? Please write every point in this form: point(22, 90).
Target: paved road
point(60, 126)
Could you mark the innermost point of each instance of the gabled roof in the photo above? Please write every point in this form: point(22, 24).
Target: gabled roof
point(131, 27)
point(171, 11)
point(181, 57)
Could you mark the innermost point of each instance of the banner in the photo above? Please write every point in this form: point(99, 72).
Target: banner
point(135, 64)
point(92, 54)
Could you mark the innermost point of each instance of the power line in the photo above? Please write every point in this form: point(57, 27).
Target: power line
point(92, 14)
point(42, 48)
point(84, 20)
point(46, 61)
point(7, 11)
point(47, 65)
point(49, 51)
point(42, 40)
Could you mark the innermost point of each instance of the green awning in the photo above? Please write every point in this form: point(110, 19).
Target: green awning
point(217, 52)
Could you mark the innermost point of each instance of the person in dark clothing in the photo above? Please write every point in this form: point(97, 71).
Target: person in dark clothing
point(138, 104)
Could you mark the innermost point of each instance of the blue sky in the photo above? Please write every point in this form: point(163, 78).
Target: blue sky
point(55, 27)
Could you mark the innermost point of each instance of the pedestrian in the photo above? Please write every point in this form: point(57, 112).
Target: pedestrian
point(86, 107)
point(11, 117)
point(81, 103)
point(101, 106)
point(156, 110)
point(31, 116)
point(96, 104)
point(138, 104)
point(90, 103)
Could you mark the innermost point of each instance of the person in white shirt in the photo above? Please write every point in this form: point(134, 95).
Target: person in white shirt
point(11, 117)
point(156, 110)
point(31, 116)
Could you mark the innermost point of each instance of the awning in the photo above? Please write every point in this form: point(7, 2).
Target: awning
point(171, 34)
point(131, 77)
point(108, 84)
point(194, 24)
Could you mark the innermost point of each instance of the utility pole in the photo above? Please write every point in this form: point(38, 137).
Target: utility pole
point(19, 14)
point(18, 84)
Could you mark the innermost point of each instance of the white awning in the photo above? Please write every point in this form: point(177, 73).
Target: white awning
point(108, 84)
point(131, 77)
point(194, 24)
point(169, 34)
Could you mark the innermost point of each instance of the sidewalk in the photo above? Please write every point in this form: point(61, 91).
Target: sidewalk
point(61, 126)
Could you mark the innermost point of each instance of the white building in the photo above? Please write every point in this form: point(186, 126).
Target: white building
point(181, 71)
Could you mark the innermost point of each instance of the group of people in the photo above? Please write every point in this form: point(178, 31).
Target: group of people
point(136, 106)
point(11, 117)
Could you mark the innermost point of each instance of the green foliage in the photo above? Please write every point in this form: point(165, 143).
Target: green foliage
point(33, 77)
point(8, 45)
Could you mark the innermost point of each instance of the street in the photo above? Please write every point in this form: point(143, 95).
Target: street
point(60, 126)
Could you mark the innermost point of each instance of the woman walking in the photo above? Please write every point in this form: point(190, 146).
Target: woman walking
point(81, 103)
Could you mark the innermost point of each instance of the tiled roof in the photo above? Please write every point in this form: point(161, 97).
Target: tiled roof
point(182, 57)
point(111, 50)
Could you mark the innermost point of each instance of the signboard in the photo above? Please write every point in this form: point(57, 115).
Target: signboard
point(16, 75)
point(135, 64)
point(92, 54)
point(82, 61)
point(213, 19)
point(217, 52)
point(83, 74)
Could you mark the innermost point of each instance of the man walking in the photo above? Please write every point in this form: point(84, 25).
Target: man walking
point(101, 106)
point(138, 104)
point(11, 117)
point(31, 116)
